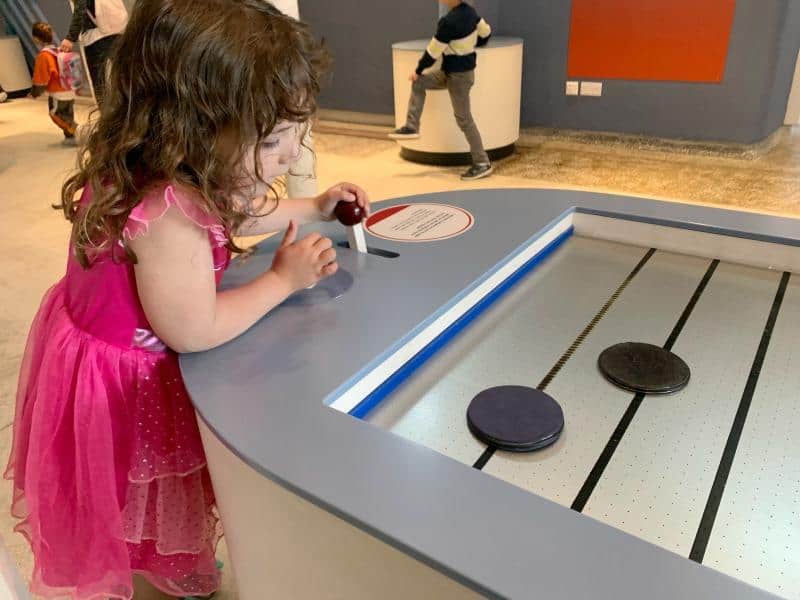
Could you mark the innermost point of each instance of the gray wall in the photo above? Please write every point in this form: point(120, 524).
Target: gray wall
point(360, 34)
point(58, 14)
point(757, 77)
point(20, 15)
point(746, 107)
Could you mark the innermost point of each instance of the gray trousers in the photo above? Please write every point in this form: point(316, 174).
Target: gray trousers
point(458, 85)
point(62, 113)
point(97, 56)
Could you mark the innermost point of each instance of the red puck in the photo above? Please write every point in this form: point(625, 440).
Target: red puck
point(348, 213)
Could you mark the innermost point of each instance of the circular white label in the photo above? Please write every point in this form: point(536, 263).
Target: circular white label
point(419, 222)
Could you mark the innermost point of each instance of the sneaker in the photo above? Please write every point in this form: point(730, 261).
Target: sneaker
point(3, 97)
point(477, 172)
point(404, 133)
point(69, 141)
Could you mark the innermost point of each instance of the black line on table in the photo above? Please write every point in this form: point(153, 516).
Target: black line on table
point(564, 358)
point(484, 458)
point(616, 437)
point(718, 487)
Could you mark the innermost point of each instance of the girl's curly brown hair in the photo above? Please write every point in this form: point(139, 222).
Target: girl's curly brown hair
point(192, 85)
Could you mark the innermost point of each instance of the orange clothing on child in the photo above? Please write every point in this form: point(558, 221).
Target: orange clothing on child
point(45, 72)
point(61, 100)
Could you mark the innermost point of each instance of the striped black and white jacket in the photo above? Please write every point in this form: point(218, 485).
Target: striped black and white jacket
point(457, 35)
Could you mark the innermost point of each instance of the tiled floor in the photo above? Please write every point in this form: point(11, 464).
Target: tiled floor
point(33, 237)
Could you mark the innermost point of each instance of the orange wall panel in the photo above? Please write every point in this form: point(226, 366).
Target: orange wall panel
point(653, 40)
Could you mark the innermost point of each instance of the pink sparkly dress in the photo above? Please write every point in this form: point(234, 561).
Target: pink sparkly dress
point(109, 474)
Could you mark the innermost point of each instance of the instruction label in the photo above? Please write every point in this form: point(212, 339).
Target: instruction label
point(420, 222)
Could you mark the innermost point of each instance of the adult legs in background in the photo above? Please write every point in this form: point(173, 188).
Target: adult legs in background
point(97, 55)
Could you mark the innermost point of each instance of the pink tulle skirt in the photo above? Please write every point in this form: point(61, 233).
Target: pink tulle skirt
point(109, 474)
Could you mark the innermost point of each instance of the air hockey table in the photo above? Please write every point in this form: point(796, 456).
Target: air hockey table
point(336, 428)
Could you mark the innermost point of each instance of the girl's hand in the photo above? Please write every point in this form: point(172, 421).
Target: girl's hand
point(302, 263)
point(348, 192)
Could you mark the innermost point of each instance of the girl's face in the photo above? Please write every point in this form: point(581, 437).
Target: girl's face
point(275, 155)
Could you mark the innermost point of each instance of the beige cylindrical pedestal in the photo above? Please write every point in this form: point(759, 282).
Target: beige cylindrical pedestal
point(495, 102)
point(14, 75)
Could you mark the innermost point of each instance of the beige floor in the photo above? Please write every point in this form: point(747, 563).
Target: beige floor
point(33, 237)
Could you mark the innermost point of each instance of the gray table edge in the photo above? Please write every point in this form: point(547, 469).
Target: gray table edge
point(356, 471)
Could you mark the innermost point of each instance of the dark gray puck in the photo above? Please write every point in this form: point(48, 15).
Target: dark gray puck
point(515, 418)
point(644, 368)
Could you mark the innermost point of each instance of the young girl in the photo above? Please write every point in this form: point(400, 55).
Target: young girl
point(204, 107)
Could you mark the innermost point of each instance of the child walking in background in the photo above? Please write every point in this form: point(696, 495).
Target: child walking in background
point(47, 78)
point(457, 35)
point(206, 104)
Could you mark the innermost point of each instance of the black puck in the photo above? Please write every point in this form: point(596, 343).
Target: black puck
point(515, 418)
point(644, 368)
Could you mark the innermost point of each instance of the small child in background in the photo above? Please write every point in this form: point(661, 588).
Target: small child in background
point(47, 78)
point(459, 32)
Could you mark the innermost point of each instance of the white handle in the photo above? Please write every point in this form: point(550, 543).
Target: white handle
point(355, 235)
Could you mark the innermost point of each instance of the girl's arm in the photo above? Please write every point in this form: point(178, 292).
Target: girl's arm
point(175, 281)
point(305, 210)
